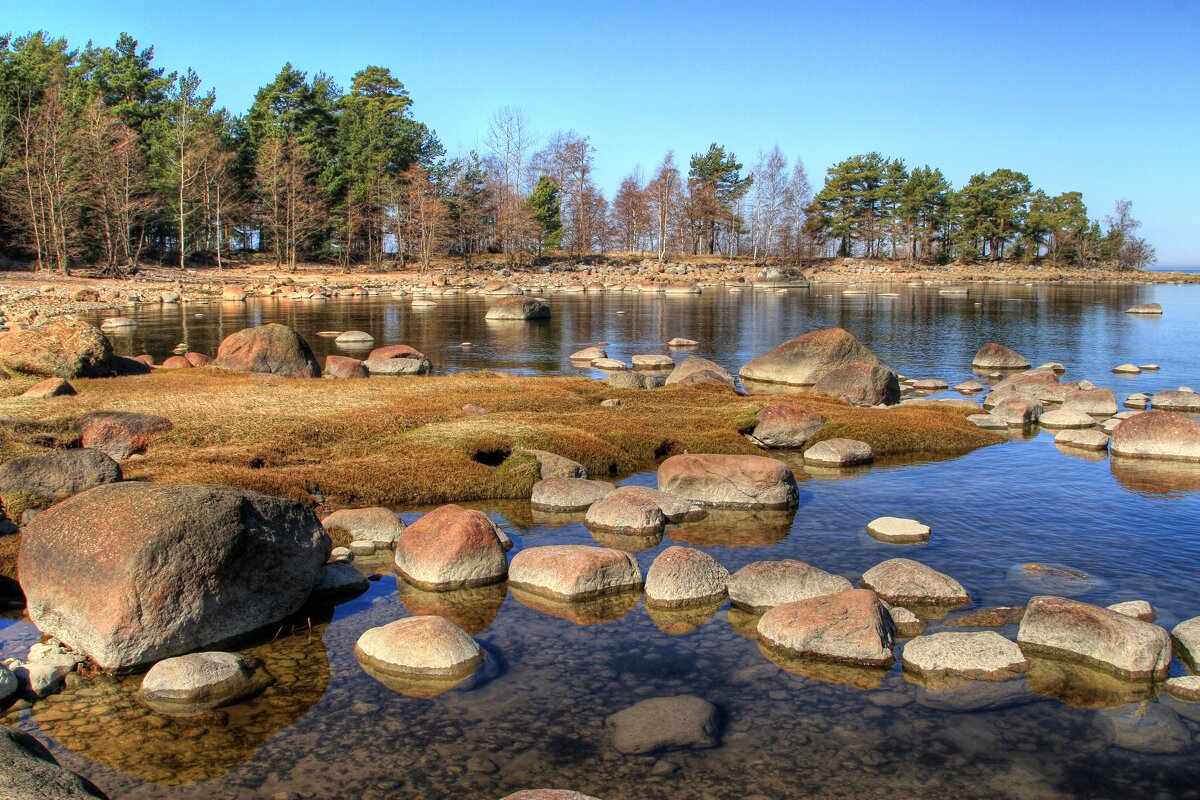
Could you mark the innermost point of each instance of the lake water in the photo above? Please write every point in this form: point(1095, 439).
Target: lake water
point(534, 716)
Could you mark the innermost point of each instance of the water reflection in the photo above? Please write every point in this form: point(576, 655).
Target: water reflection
point(474, 610)
point(731, 527)
point(1163, 478)
point(594, 611)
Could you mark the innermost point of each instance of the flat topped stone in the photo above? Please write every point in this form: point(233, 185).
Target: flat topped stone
point(729, 480)
point(1185, 688)
point(1066, 418)
point(987, 422)
point(979, 656)
point(397, 366)
point(1095, 637)
point(199, 681)
point(898, 530)
point(682, 576)
point(1099, 402)
point(1127, 369)
point(839, 453)
point(765, 584)
point(1145, 308)
point(660, 724)
point(653, 362)
point(354, 337)
point(568, 494)
point(1093, 440)
point(849, 627)
point(679, 341)
point(1188, 402)
point(422, 647)
point(968, 387)
point(908, 582)
point(570, 572)
point(589, 354)
point(1138, 609)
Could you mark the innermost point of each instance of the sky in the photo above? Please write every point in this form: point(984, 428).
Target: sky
point(1098, 97)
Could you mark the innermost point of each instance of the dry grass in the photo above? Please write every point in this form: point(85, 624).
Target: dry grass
point(399, 441)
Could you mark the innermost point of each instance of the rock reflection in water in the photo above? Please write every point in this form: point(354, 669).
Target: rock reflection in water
point(106, 723)
point(730, 527)
point(744, 622)
point(1161, 478)
point(1082, 687)
point(679, 621)
point(474, 610)
point(630, 543)
point(851, 675)
point(606, 608)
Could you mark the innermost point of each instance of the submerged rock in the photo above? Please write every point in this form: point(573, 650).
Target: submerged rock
point(1144, 728)
point(661, 724)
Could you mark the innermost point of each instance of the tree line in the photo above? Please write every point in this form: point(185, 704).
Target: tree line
point(107, 159)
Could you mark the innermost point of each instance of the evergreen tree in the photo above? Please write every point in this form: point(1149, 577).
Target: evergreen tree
point(545, 204)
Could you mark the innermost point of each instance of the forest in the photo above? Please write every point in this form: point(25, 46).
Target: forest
point(109, 161)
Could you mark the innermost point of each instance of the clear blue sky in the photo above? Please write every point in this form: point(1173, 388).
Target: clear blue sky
point(1100, 97)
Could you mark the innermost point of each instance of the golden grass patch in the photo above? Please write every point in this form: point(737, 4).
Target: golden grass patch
point(400, 441)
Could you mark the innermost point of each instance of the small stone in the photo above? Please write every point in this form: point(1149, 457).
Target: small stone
point(1066, 418)
point(982, 656)
point(908, 582)
point(839, 453)
point(1138, 609)
point(683, 576)
point(610, 403)
point(199, 681)
point(906, 622)
point(422, 647)
point(1127, 369)
point(1185, 688)
point(1082, 439)
point(898, 530)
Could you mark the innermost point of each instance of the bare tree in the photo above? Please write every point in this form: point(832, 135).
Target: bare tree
point(119, 197)
point(509, 141)
point(797, 198)
point(664, 193)
point(769, 193)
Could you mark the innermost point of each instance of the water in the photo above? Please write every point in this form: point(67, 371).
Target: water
point(535, 716)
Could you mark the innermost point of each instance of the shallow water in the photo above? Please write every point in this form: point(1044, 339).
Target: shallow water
point(535, 714)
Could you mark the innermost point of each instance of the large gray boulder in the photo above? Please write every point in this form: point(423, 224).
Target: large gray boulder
point(1095, 637)
point(270, 349)
point(63, 348)
point(131, 573)
point(58, 474)
point(803, 361)
point(29, 772)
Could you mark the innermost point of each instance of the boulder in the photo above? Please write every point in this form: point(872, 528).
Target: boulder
point(1096, 402)
point(898, 530)
point(1145, 308)
point(552, 465)
point(58, 474)
point(419, 647)
point(675, 509)
point(571, 572)
point(908, 582)
point(1095, 637)
point(519, 308)
point(50, 387)
point(968, 387)
point(609, 364)
point(269, 349)
point(397, 351)
point(176, 362)
point(340, 579)
point(1186, 636)
point(1144, 728)
point(1017, 411)
point(1157, 435)
point(849, 627)
point(1187, 402)
point(1066, 418)
point(978, 656)
point(345, 367)
point(861, 384)
point(761, 585)
point(567, 494)
point(1185, 687)
point(803, 361)
point(783, 425)
point(200, 681)
point(62, 348)
point(451, 548)
point(1090, 439)
point(839, 453)
point(1127, 369)
point(695, 367)
point(120, 434)
point(626, 512)
point(729, 481)
point(397, 366)
point(634, 380)
point(589, 354)
point(683, 576)
point(131, 573)
point(907, 623)
point(997, 356)
point(378, 525)
point(660, 724)
point(198, 359)
point(679, 341)
point(1031, 384)
point(29, 772)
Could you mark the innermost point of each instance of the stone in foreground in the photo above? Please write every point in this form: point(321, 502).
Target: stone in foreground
point(120, 434)
point(839, 453)
point(131, 573)
point(908, 582)
point(660, 724)
point(199, 681)
point(1186, 636)
point(850, 627)
point(898, 530)
point(57, 474)
point(571, 572)
point(451, 548)
point(29, 772)
point(269, 349)
point(683, 576)
point(51, 387)
point(762, 585)
point(568, 494)
point(982, 656)
point(378, 525)
point(783, 425)
point(729, 481)
point(63, 348)
point(1095, 637)
point(419, 647)
point(626, 512)
point(1157, 435)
